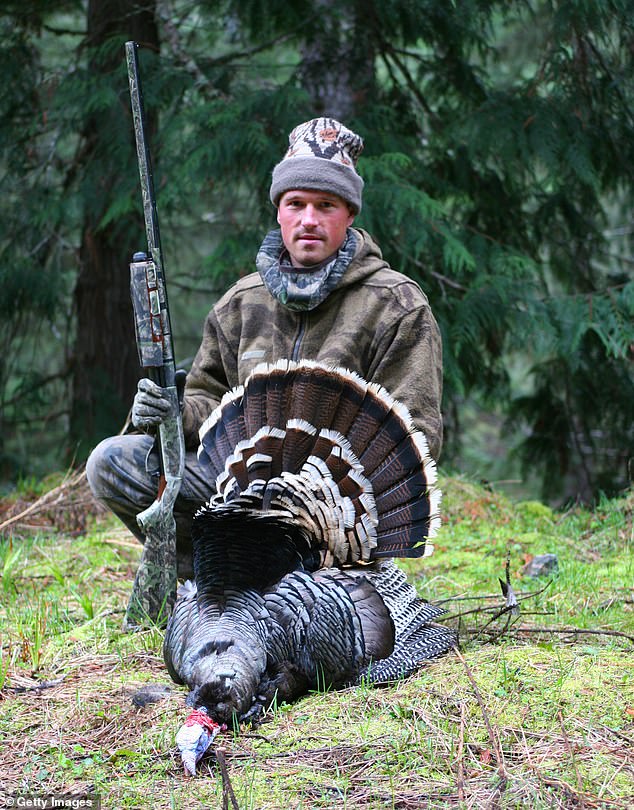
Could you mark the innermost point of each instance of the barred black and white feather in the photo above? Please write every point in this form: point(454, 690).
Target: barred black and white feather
point(320, 478)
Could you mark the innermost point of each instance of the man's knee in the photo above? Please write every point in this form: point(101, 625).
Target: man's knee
point(119, 465)
point(98, 464)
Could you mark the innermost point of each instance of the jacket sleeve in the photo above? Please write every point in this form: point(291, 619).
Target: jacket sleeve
point(207, 381)
point(408, 363)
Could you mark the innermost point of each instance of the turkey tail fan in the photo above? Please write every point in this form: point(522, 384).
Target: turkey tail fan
point(363, 466)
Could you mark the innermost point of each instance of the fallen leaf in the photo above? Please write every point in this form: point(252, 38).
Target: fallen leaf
point(485, 756)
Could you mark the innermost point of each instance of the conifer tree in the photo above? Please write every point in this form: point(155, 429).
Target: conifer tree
point(105, 366)
point(498, 167)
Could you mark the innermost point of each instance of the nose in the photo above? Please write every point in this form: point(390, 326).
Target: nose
point(309, 216)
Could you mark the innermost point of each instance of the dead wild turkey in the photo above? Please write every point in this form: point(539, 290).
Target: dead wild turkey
point(320, 478)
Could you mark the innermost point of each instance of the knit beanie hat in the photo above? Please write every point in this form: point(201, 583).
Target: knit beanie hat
point(322, 156)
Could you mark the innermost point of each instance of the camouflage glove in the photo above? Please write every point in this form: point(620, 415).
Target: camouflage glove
point(150, 406)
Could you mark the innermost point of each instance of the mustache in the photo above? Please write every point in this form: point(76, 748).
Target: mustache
point(314, 233)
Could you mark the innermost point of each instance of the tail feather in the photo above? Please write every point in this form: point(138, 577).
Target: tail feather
point(392, 433)
point(298, 444)
point(367, 423)
point(412, 511)
point(269, 442)
point(259, 467)
point(408, 541)
point(409, 455)
point(414, 486)
point(315, 394)
point(221, 432)
point(278, 394)
point(351, 401)
point(254, 403)
point(236, 463)
point(233, 422)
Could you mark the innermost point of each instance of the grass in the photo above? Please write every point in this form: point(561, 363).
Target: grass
point(536, 710)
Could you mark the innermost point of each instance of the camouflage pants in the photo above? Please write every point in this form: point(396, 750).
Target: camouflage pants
point(123, 474)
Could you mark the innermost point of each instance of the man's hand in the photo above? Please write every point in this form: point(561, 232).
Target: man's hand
point(151, 406)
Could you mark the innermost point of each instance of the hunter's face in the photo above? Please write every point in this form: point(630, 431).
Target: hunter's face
point(313, 225)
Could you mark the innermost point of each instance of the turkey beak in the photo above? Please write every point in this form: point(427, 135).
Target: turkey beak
point(192, 741)
point(188, 759)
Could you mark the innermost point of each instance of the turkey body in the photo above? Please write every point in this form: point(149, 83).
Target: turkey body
point(320, 480)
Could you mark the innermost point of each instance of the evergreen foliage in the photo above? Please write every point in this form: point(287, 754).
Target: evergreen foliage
point(499, 174)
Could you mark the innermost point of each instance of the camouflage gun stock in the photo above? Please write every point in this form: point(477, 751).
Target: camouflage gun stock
point(154, 588)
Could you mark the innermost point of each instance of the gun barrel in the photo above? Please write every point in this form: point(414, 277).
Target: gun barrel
point(161, 370)
point(143, 151)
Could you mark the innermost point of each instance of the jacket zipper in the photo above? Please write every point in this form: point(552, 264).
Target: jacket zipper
point(300, 335)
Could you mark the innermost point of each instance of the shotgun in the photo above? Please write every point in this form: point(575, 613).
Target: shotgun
point(154, 588)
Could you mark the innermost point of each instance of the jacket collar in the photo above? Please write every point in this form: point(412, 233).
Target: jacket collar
point(305, 289)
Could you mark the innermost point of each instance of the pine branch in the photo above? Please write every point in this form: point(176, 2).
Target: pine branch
point(387, 50)
point(181, 53)
point(426, 270)
point(41, 382)
point(185, 58)
point(413, 86)
point(63, 31)
point(614, 83)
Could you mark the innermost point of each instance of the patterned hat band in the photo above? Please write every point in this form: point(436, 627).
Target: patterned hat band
point(317, 174)
point(322, 156)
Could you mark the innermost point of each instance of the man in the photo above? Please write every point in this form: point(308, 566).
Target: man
point(322, 291)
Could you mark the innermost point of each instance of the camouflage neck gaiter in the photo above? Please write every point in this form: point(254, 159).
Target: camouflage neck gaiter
point(301, 290)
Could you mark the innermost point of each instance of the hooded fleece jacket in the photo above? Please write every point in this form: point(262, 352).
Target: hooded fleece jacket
point(376, 322)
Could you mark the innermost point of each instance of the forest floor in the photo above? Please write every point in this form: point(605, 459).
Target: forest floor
point(536, 709)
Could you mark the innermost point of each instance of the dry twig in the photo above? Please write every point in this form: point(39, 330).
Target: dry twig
point(66, 505)
point(227, 788)
point(460, 780)
point(493, 737)
point(573, 759)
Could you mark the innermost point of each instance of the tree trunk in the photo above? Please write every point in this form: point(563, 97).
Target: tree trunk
point(337, 61)
point(105, 364)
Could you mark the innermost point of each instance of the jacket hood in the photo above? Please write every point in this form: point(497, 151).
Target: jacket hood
point(366, 260)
